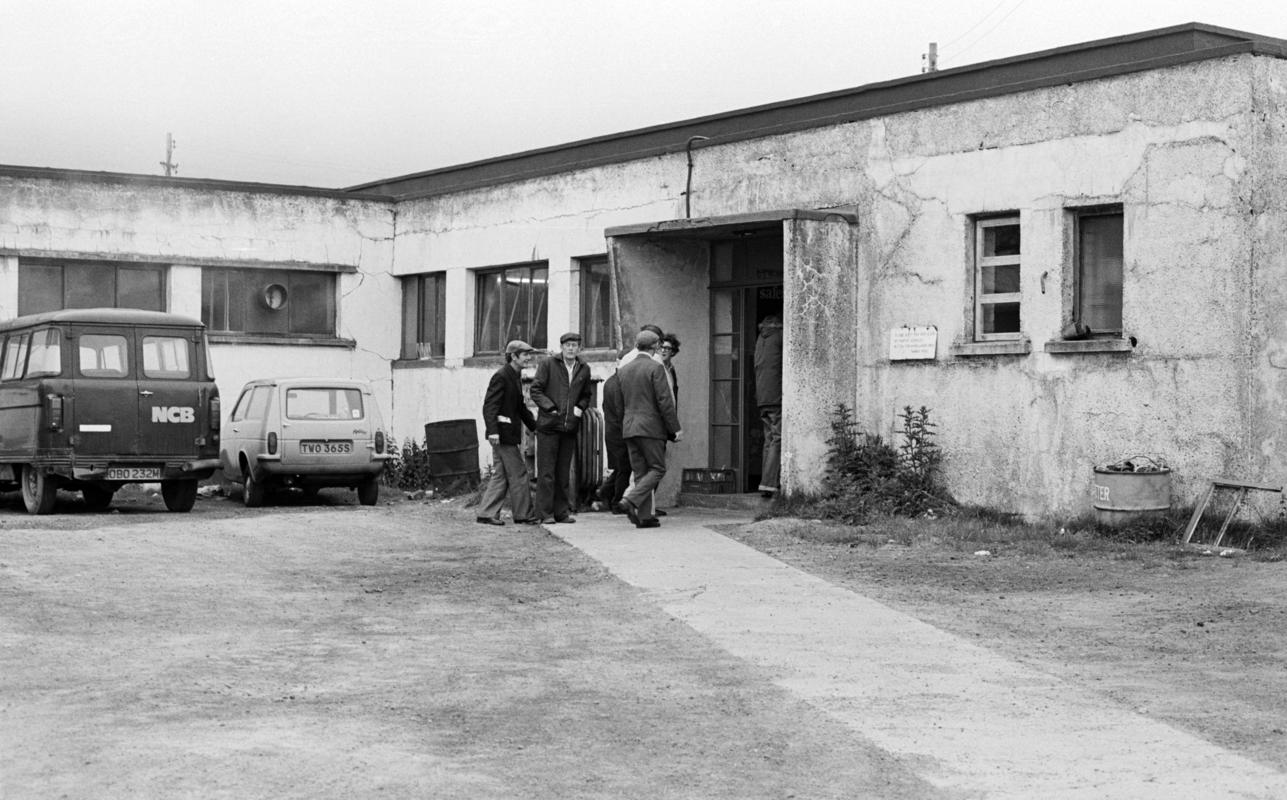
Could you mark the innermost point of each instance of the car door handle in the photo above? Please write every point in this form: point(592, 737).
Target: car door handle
point(144, 393)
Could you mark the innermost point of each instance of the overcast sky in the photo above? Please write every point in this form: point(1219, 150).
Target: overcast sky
point(333, 93)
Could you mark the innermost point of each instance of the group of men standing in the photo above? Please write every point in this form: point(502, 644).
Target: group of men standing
point(641, 416)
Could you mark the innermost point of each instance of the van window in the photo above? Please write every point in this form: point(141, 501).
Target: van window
point(166, 357)
point(324, 403)
point(104, 355)
point(15, 356)
point(46, 353)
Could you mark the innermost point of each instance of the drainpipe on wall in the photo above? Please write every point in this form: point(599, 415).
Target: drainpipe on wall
point(688, 186)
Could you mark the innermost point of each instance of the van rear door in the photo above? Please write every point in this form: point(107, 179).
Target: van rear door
point(172, 390)
point(103, 415)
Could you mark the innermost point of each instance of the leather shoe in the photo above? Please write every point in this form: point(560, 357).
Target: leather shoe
point(628, 508)
point(648, 523)
point(568, 518)
point(659, 512)
point(489, 521)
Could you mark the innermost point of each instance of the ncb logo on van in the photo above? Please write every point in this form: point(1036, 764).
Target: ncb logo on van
point(174, 414)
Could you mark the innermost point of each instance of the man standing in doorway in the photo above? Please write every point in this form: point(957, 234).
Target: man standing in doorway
point(768, 397)
point(504, 412)
point(562, 391)
point(650, 420)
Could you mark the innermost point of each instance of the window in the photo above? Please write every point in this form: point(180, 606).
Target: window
point(596, 302)
point(15, 356)
point(165, 357)
point(103, 355)
point(46, 353)
point(1098, 291)
point(275, 302)
point(511, 305)
point(253, 404)
point(996, 275)
point(49, 285)
point(424, 315)
point(323, 403)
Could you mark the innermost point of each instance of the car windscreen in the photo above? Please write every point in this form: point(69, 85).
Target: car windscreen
point(323, 403)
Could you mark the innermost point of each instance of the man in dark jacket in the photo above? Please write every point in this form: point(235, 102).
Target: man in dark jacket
point(650, 420)
point(503, 413)
point(614, 486)
point(562, 391)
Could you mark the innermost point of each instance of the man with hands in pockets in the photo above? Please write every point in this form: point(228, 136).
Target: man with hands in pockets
point(562, 391)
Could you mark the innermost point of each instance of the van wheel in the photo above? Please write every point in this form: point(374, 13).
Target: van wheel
point(368, 492)
point(97, 497)
point(252, 493)
point(39, 492)
point(179, 496)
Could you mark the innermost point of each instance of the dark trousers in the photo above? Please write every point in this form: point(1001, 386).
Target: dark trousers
point(648, 462)
point(614, 486)
point(554, 453)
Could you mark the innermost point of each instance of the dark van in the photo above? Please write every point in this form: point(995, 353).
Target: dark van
point(94, 398)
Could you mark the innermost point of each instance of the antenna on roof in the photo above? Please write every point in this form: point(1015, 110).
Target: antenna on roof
point(170, 167)
point(929, 60)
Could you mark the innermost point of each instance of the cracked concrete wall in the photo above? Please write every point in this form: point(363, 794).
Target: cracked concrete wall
point(1194, 155)
point(188, 227)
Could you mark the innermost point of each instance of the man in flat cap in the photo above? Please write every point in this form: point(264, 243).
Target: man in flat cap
point(503, 412)
point(650, 420)
point(562, 391)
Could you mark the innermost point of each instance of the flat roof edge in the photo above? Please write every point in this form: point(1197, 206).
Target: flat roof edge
point(94, 176)
point(1155, 49)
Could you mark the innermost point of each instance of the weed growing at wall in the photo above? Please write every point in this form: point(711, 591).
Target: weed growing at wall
point(866, 476)
point(408, 469)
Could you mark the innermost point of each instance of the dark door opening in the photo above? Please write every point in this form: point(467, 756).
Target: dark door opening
point(746, 286)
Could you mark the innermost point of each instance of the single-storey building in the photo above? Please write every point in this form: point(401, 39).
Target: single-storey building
point(1070, 257)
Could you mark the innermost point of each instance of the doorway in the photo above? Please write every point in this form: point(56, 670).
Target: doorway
point(746, 286)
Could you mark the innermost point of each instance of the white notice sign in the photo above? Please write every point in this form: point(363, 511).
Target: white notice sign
point(906, 344)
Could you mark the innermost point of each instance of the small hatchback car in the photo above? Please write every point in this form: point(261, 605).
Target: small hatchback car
point(308, 433)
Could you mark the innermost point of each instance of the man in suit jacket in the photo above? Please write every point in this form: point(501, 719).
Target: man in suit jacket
point(650, 420)
point(503, 412)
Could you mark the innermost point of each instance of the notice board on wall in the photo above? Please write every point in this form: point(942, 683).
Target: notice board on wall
point(911, 343)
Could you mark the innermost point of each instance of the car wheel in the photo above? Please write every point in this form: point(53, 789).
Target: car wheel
point(97, 497)
point(179, 496)
point(252, 493)
point(368, 491)
point(39, 492)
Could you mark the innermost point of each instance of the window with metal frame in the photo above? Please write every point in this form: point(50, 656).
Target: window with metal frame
point(274, 302)
point(997, 272)
point(48, 285)
point(512, 303)
point(1097, 309)
point(596, 302)
point(424, 315)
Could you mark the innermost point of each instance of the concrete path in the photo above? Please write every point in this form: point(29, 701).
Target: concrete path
point(968, 720)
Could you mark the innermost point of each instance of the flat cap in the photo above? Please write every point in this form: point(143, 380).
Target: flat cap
point(570, 336)
point(646, 339)
point(518, 346)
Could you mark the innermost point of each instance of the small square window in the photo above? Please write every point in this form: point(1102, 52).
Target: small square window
point(997, 279)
